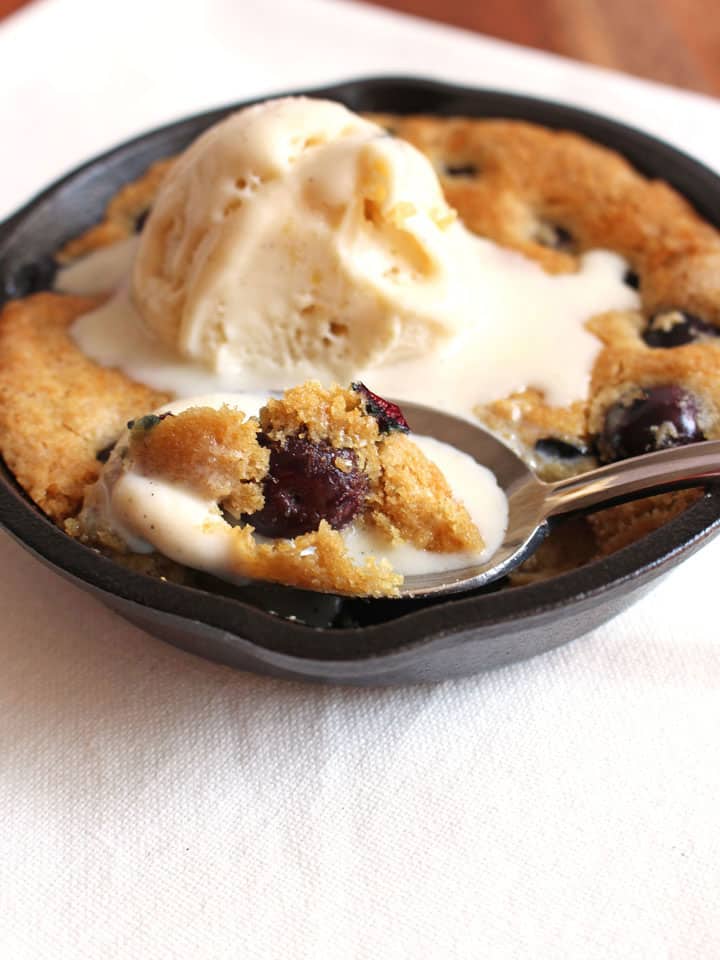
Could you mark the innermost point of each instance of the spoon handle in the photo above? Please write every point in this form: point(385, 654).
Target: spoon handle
point(685, 466)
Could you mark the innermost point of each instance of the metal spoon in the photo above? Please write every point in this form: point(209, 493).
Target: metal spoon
point(532, 503)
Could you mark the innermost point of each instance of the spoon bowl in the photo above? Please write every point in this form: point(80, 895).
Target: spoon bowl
point(533, 504)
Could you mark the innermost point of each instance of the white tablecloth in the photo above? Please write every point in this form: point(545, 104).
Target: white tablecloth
point(155, 806)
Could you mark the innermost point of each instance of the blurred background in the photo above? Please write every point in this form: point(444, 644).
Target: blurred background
point(670, 41)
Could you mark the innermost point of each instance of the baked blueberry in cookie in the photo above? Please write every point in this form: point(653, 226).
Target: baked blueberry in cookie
point(647, 420)
point(553, 449)
point(308, 481)
point(675, 328)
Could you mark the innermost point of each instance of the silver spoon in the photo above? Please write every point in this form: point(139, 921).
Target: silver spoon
point(532, 503)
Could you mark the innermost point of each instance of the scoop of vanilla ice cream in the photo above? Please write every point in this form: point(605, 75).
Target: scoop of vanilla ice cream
point(297, 237)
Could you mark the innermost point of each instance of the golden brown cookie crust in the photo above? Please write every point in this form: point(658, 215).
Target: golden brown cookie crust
point(58, 409)
point(215, 452)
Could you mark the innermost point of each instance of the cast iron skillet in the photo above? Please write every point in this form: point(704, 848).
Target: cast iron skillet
point(289, 633)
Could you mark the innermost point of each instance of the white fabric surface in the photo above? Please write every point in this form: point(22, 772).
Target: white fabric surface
point(157, 806)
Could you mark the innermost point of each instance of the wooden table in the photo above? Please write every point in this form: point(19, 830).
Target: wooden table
point(672, 41)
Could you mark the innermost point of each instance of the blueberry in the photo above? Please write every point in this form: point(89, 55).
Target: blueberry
point(461, 170)
point(308, 482)
point(553, 449)
point(632, 279)
point(675, 328)
point(148, 421)
point(649, 419)
point(32, 277)
point(102, 456)
point(554, 236)
point(140, 220)
point(388, 414)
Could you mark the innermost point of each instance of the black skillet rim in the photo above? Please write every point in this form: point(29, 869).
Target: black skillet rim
point(600, 580)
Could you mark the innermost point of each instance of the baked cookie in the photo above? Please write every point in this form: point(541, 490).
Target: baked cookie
point(551, 195)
